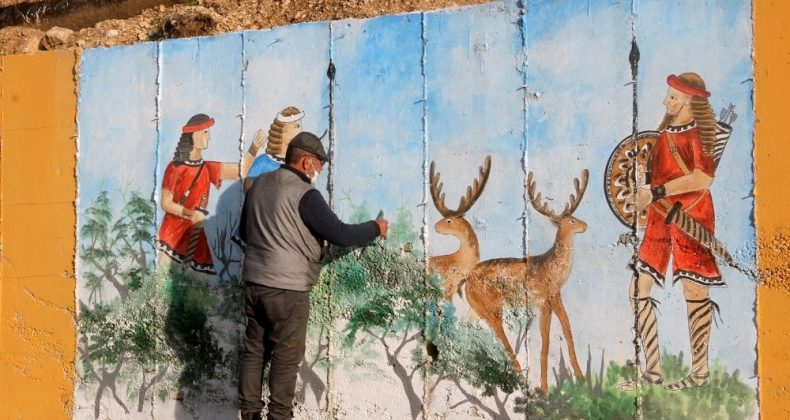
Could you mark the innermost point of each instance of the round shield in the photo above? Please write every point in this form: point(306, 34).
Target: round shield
point(626, 171)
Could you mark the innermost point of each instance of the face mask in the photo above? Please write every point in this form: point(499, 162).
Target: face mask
point(315, 173)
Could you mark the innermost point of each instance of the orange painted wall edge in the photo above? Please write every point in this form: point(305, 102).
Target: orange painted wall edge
point(772, 77)
point(37, 205)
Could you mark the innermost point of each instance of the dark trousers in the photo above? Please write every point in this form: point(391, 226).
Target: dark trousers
point(276, 333)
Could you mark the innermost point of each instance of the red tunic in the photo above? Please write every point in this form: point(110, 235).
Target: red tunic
point(176, 233)
point(690, 259)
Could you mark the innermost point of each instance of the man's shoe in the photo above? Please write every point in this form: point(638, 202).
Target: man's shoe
point(251, 415)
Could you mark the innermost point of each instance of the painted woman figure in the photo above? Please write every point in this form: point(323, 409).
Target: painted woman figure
point(185, 192)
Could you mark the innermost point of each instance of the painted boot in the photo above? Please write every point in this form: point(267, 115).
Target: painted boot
point(648, 333)
point(700, 319)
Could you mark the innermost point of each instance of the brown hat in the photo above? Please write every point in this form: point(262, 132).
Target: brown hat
point(309, 143)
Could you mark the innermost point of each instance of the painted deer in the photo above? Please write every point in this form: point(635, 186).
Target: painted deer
point(537, 280)
point(456, 266)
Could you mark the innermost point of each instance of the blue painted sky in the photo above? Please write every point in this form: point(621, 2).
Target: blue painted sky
point(287, 67)
point(378, 115)
point(578, 109)
point(473, 58)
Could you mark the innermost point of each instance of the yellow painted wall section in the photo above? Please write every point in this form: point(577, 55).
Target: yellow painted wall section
point(38, 192)
point(772, 154)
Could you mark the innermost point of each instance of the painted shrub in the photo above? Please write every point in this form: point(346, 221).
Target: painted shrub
point(521, 112)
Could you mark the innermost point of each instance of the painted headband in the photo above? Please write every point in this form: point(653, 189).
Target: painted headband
point(679, 84)
point(198, 127)
point(291, 118)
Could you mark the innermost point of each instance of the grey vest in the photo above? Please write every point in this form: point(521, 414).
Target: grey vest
point(281, 252)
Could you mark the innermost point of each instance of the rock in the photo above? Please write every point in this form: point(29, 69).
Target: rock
point(80, 43)
point(195, 22)
point(111, 33)
point(55, 37)
point(142, 36)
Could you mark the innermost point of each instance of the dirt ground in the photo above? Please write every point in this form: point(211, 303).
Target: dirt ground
point(187, 19)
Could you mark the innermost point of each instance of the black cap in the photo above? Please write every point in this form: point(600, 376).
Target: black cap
point(309, 143)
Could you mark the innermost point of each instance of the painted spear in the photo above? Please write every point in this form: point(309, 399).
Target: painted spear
point(633, 58)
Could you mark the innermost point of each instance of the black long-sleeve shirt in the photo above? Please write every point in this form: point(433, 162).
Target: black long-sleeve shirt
point(324, 223)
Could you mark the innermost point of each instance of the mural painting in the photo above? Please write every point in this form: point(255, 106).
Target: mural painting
point(515, 115)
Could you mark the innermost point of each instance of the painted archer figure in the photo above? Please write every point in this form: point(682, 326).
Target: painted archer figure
point(185, 192)
point(681, 169)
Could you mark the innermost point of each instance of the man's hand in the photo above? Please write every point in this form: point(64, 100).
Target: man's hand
point(383, 227)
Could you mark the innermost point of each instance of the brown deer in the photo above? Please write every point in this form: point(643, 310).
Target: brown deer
point(456, 266)
point(535, 280)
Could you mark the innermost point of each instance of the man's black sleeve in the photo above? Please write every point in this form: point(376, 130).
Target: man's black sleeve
point(323, 223)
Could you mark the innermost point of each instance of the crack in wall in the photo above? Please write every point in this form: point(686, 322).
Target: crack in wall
point(634, 62)
point(43, 302)
point(243, 115)
point(331, 402)
point(155, 196)
point(429, 381)
point(522, 25)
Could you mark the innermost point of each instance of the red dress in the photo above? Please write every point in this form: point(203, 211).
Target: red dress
point(690, 259)
point(177, 236)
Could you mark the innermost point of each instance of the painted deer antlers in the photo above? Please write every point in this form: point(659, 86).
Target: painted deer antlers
point(570, 206)
point(472, 192)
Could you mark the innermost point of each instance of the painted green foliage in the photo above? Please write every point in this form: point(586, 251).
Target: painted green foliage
point(141, 331)
point(597, 396)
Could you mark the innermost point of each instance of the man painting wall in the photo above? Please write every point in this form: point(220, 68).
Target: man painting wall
point(284, 223)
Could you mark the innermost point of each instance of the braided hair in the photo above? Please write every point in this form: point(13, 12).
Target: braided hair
point(276, 146)
point(702, 112)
